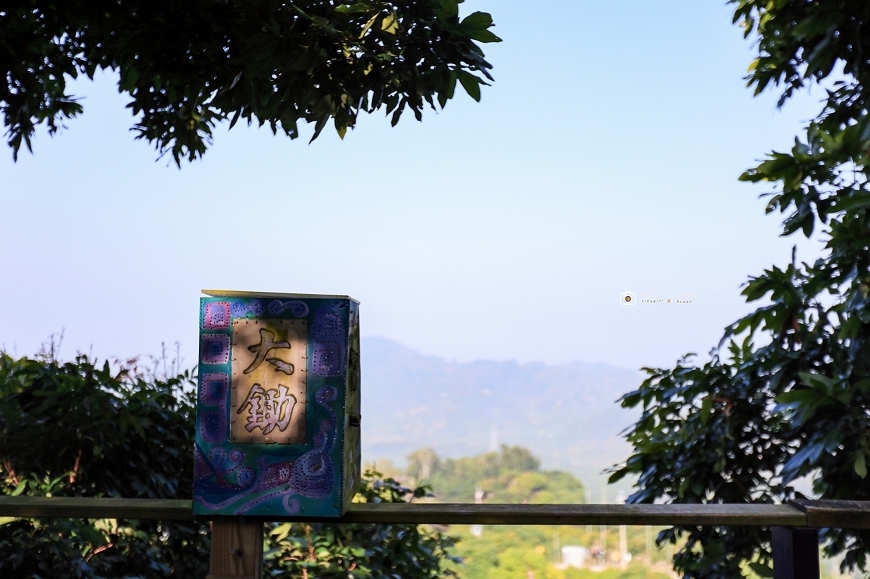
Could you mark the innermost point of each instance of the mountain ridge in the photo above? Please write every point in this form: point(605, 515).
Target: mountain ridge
point(566, 414)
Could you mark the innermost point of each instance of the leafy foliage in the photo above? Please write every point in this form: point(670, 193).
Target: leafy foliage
point(76, 429)
point(188, 65)
point(511, 475)
point(328, 550)
point(787, 393)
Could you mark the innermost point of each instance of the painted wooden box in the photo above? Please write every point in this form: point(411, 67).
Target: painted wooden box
point(278, 405)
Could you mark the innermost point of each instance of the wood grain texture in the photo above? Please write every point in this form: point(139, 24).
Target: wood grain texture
point(90, 508)
point(835, 514)
point(503, 514)
point(467, 514)
point(236, 549)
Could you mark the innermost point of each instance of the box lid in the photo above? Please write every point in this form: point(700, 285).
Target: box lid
point(245, 294)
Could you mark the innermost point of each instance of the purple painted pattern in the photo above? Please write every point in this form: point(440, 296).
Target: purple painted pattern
point(240, 309)
point(213, 388)
point(330, 337)
point(311, 475)
point(327, 359)
point(213, 425)
point(216, 471)
point(215, 349)
point(217, 316)
point(297, 309)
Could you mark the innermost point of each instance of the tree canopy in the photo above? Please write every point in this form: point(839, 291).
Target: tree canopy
point(786, 393)
point(189, 65)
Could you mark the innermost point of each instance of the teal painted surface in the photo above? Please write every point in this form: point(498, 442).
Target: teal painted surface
point(315, 476)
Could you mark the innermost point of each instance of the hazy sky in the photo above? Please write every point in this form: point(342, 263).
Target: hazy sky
point(604, 158)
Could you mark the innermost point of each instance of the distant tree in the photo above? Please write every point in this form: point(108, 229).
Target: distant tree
point(511, 475)
point(77, 429)
point(189, 65)
point(422, 462)
point(787, 392)
point(517, 458)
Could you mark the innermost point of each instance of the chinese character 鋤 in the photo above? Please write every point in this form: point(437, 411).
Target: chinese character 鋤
point(269, 408)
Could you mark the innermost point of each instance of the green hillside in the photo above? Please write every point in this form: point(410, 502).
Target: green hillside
point(513, 475)
point(523, 552)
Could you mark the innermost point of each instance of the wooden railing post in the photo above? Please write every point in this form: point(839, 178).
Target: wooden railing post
point(236, 549)
point(795, 553)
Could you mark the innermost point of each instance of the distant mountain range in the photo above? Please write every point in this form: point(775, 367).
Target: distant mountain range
point(565, 414)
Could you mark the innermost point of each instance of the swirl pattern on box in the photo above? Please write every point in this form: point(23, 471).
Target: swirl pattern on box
point(312, 475)
point(286, 367)
point(297, 309)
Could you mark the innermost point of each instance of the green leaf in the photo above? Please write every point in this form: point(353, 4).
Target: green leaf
point(19, 489)
point(860, 465)
point(482, 35)
point(390, 24)
point(355, 8)
point(477, 21)
point(803, 395)
point(92, 535)
point(340, 128)
point(368, 25)
point(815, 380)
point(470, 83)
point(706, 409)
point(853, 202)
point(476, 26)
point(761, 570)
point(450, 7)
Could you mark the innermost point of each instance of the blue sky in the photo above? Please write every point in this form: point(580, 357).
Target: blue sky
point(604, 158)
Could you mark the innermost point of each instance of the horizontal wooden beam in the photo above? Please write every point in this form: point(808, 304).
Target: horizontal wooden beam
point(90, 508)
point(512, 514)
point(435, 513)
point(835, 514)
point(802, 513)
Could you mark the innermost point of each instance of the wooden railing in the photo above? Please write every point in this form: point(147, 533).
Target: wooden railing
point(237, 544)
